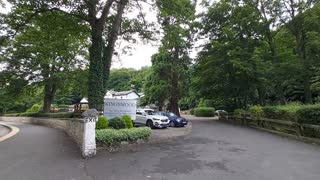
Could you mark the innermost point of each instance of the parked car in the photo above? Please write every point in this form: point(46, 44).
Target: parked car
point(220, 112)
point(175, 120)
point(149, 118)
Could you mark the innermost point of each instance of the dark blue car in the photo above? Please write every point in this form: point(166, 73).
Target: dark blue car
point(175, 121)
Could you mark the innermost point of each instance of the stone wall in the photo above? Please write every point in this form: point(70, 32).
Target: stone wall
point(80, 130)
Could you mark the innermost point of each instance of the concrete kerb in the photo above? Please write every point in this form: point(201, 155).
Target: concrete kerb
point(13, 131)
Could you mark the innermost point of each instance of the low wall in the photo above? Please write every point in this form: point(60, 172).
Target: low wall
point(304, 131)
point(80, 130)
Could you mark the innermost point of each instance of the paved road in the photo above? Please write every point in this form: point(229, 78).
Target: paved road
point(213, 150)
point(3, 130)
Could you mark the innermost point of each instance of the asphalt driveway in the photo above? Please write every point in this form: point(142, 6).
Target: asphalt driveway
point(3, 130)
point(213, 150)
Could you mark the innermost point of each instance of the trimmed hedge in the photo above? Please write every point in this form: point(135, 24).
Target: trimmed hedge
point(278, 112)
point(112, 136)
point(102, 122)
point(239, 113)
point(47, 115)
point(128, 121)
point(117, 123)
point(204, 111)
point(309, 115)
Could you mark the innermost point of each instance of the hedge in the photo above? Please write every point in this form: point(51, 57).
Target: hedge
point(112, 136)
point(204, 111)
point(47, 115)
point(279, 112)
point(239, 112)
point(309, 115)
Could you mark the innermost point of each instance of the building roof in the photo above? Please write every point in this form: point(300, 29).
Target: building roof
point(123, 93)
point(84, 101)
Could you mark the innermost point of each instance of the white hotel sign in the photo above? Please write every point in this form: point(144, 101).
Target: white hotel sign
point(118, 107)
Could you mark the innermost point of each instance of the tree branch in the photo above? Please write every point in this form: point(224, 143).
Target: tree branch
point(105, 12)
point(79, 16)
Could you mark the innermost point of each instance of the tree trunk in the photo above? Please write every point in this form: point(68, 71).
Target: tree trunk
point(174, 92)
point(111, 41)
point(174, 97)
point(101, 54)
point(96, 89)
point(301, 43)
point(49, 92)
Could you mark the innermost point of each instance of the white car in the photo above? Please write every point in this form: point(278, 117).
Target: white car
point(150, 119)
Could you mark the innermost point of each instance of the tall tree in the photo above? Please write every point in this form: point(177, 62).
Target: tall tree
point(106, 21)
point(176, 18)
point(45, 52)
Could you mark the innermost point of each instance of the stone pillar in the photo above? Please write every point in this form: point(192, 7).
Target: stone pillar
point(89, 133)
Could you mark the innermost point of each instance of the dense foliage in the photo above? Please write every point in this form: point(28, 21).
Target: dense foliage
point(112, 136)
point(128, 121)
point(309, 115)
point(251, 54)
point(117, 123)
point(257, 53)
point(102, 123)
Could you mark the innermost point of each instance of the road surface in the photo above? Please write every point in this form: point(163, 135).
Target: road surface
point(3, 130)
point(212, 151)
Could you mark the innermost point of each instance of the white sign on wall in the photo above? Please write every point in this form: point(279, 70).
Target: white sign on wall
point(118, 107)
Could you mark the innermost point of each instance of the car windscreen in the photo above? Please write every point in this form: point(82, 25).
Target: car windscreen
point(150, 112)
point(172, 114)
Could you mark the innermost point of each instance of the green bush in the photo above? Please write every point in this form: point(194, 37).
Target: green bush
point(128, 121)
point(192, 111)
point(204, 112)
point(309, 115)
point(117, 123)
point(111, 136)
point(256, 112)
point(102, 122)
point(239, 113)
point(34, 109)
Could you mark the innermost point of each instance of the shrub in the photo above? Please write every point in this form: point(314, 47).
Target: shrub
point(192, 111)
point(204, 112)
point(111, 136)
point(309, 115)
point(34, 109)
point(256, 112)
point(102, 123)
point(239, 113)
point(117, 123)
point(128, 121)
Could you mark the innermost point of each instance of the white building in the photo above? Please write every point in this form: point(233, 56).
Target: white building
point(132, 94)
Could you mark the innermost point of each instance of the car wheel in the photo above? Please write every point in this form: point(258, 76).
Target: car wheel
point(150, 124)
point(171, 124)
